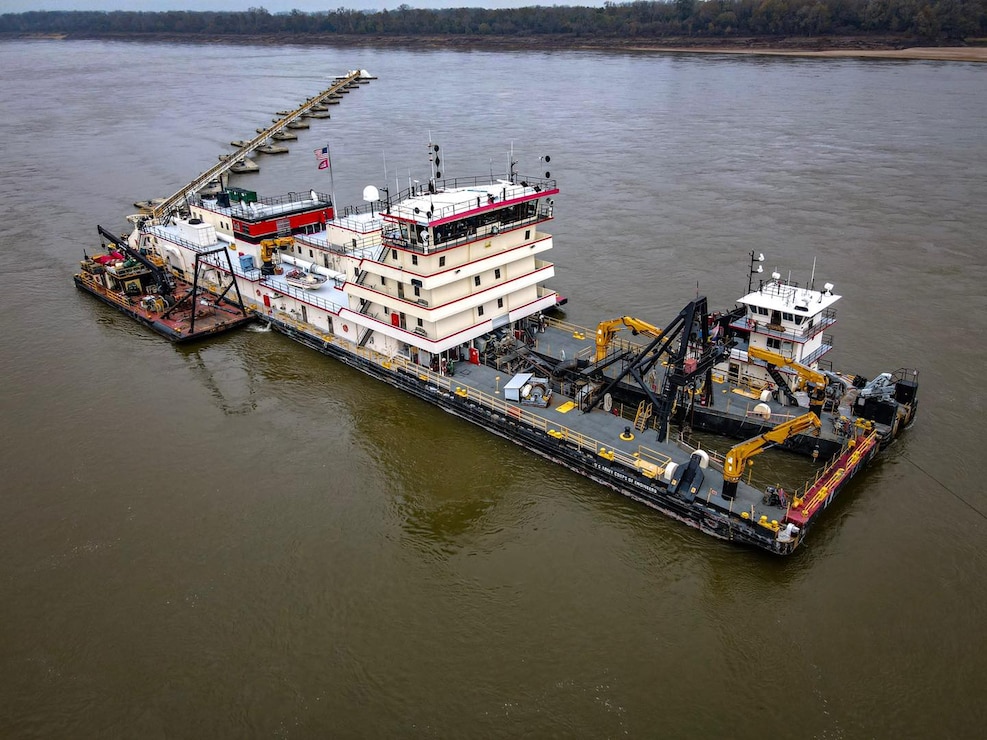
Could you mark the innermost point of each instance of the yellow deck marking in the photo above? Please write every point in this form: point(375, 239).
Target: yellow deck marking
point(566, 407)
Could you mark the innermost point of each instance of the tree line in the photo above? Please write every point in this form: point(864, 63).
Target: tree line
point(936, 21)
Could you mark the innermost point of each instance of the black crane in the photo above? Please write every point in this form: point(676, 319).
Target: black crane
point(689, 330)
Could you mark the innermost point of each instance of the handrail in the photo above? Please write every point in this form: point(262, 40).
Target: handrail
point(488, 401)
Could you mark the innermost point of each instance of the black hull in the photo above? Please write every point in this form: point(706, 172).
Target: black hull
point(697, 514)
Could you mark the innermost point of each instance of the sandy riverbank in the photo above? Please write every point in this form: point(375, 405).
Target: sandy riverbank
point(940, 53)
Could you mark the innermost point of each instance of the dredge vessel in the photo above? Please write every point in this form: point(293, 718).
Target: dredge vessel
point(439, 290)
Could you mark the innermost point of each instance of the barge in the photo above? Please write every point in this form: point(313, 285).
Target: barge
point(140, 284)
point(440, 290)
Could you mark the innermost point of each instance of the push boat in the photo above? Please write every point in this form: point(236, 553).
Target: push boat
point(439, 290)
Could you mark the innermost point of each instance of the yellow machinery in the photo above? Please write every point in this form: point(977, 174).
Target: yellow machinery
point(814, 379)
point(269, 249)
point(606, 330)
point(737, 458)
point(807, 374)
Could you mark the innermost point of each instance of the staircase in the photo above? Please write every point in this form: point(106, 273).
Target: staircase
point(644, 410)
point(782, 382)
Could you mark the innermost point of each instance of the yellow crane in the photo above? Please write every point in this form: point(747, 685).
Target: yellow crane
point(606, 330)
point(269, 251)
point(807, 374)
point(813, 381)
point(738, 457)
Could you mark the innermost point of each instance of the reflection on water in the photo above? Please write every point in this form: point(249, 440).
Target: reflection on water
point(230, 384)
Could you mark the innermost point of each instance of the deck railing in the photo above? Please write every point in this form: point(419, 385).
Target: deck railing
point(487, 401)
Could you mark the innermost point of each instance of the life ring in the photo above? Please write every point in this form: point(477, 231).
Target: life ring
point(345, 327)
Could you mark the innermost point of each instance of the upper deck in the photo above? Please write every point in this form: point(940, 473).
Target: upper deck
point(451, 212)
point(251, 218)
point(778, 295)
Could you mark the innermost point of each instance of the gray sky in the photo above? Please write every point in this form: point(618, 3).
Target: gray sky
point(274, 6)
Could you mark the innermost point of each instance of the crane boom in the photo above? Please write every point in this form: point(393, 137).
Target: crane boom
point(738, 457)
point(773, 358)
point(606, 330)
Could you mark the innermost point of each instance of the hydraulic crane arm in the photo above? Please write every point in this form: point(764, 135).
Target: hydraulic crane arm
point(738, 457)
point(773, 358)
point(606, 330)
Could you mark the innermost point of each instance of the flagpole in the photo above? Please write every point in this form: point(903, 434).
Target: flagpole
point(332, 181)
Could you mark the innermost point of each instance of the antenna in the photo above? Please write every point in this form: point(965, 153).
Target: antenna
point(433, 158)
point(755, 259)
point(812, 279)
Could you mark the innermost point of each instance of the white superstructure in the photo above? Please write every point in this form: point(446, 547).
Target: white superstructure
point(421, 276)
point(786, 319)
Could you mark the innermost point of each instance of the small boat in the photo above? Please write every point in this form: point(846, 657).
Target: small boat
point(316, 114)
point(298, 124)
point(238, 143)
point(304, 279)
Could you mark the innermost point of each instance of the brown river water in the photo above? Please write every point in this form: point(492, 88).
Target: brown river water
point(246, 539)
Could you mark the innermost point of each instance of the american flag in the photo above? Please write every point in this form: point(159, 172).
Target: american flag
point(323, 156)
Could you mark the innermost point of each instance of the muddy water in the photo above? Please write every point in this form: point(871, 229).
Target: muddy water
point(245, 539)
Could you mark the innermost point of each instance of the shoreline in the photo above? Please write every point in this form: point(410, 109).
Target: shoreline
point(826, 47)
point(915, 53)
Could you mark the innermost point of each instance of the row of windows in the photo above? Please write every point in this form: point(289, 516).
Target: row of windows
point(414, 258)
point(476, 278)
point(785, 315)
point(500, 304)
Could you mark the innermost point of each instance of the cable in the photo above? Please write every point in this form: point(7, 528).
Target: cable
point(946, 488)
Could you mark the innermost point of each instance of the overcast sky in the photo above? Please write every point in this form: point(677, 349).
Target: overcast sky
point(274, 6)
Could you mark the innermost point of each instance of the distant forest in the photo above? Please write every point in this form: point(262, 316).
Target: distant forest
point(930, 21)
